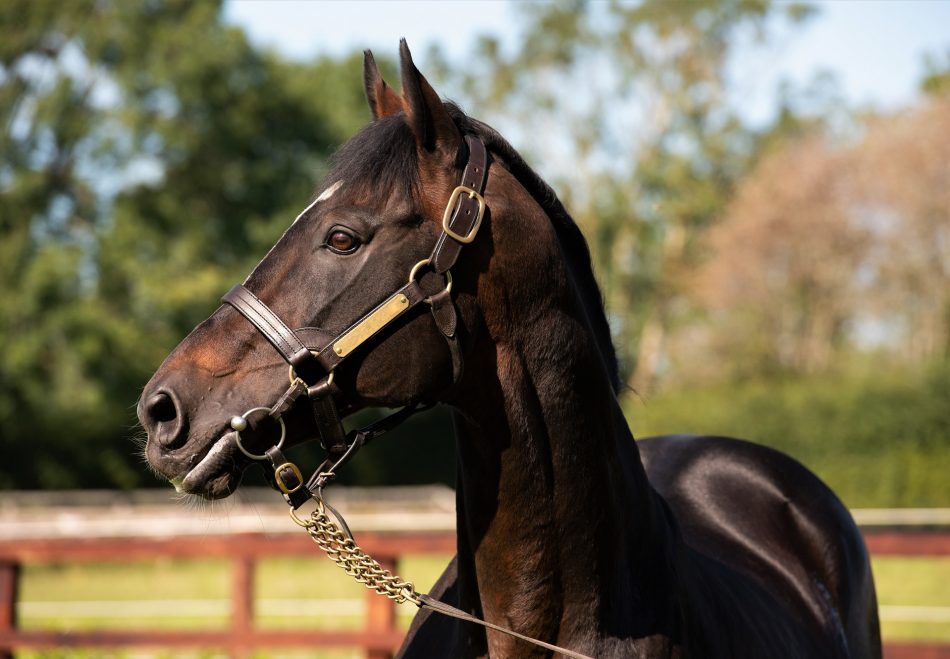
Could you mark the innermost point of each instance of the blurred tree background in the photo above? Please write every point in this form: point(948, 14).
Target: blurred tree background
point(789, 283)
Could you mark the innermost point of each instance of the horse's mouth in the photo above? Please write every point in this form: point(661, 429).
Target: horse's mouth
point(217, 474)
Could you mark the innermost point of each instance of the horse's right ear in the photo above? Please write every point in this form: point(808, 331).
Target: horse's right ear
point(383, 101)
point(425, 114)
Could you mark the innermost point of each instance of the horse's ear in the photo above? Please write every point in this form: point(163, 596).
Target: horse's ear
point(432, 125)
point(383, 101)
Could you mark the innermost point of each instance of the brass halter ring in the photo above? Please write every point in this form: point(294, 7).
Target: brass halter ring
point(423, 262)
point(293, 377)
point(239, 423)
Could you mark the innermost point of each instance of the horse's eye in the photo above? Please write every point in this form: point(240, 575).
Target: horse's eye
point(342, 242)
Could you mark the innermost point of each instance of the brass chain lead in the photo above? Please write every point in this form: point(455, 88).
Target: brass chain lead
point(343, 550)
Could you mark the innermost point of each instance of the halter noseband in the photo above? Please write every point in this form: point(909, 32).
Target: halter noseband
point(313, 354)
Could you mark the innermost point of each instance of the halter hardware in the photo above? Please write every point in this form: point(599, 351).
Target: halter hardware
point(293, 377)
point(469, 236)
point(447, 273)
point(240, 423)
point(377, 319)
point(281, 480)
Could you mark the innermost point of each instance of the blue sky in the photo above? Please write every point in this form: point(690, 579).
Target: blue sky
point(875, 48)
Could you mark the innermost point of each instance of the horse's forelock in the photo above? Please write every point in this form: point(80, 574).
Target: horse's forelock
point(379, 160)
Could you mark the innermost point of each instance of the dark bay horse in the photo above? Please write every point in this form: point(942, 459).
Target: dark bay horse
point(569, 531)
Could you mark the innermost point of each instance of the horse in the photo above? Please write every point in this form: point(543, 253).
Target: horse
point(568, 530)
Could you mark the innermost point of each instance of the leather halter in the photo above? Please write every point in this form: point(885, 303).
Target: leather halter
point(313, 354)
point(313, 358)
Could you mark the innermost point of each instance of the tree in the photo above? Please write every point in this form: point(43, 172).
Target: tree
point(903, 173)
point(833, 246)
point(150, 155)
point(781, 281)
point(936, 80)
point(629, 117)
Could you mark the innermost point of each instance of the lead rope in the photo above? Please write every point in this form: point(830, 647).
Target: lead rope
point(332, 535)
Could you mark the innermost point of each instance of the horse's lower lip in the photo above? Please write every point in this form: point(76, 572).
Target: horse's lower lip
point(219, 457)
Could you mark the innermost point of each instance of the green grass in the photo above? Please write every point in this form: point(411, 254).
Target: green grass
point(913, 581)
point(162, 579)
point(171, 581)
point(166, 580)
point(900, 582)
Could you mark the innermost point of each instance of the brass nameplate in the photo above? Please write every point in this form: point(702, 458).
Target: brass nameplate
point(375, 321)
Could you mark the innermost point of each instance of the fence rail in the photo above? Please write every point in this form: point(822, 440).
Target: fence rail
point(380, 635)
point(57, 542)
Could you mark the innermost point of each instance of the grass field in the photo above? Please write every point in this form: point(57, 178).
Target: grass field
point(301, 593)
point(914, 595)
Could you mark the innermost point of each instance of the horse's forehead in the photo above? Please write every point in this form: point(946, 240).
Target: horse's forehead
point(324, 196)
point(375, 202)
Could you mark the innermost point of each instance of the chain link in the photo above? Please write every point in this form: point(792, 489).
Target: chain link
point(343, 550)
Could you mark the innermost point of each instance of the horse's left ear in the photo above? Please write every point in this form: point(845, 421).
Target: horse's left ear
point(383, 101)
point(432, 125)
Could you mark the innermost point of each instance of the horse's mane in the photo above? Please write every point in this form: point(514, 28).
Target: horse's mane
point(383, 156)
point(572, 241)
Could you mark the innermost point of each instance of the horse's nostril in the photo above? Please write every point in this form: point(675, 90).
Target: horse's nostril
point(161, 408)
point(164, 421)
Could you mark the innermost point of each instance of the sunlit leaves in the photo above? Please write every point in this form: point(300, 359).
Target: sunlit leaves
point(150, 155)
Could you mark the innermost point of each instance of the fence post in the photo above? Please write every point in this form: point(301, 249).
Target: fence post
point(9, 591)
point(242, 605)
point(381, 612)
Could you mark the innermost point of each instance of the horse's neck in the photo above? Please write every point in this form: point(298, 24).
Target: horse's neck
point(556, 519)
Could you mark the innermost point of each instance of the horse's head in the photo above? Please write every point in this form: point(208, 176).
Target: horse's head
point(379, 214)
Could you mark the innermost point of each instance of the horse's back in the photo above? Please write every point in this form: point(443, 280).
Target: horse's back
point(765, 515)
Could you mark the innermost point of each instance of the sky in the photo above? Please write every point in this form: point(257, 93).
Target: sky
point(875, 48)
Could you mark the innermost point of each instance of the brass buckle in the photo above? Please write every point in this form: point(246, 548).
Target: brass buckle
point(280, 480)
point(450, 206)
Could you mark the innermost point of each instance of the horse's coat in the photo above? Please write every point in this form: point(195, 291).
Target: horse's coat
point(568, 530)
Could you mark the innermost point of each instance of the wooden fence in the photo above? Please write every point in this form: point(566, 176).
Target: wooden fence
point(379, 636)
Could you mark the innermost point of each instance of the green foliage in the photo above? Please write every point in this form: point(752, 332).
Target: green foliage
point(878, 438)
point(936, 80)
point(151, 156)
